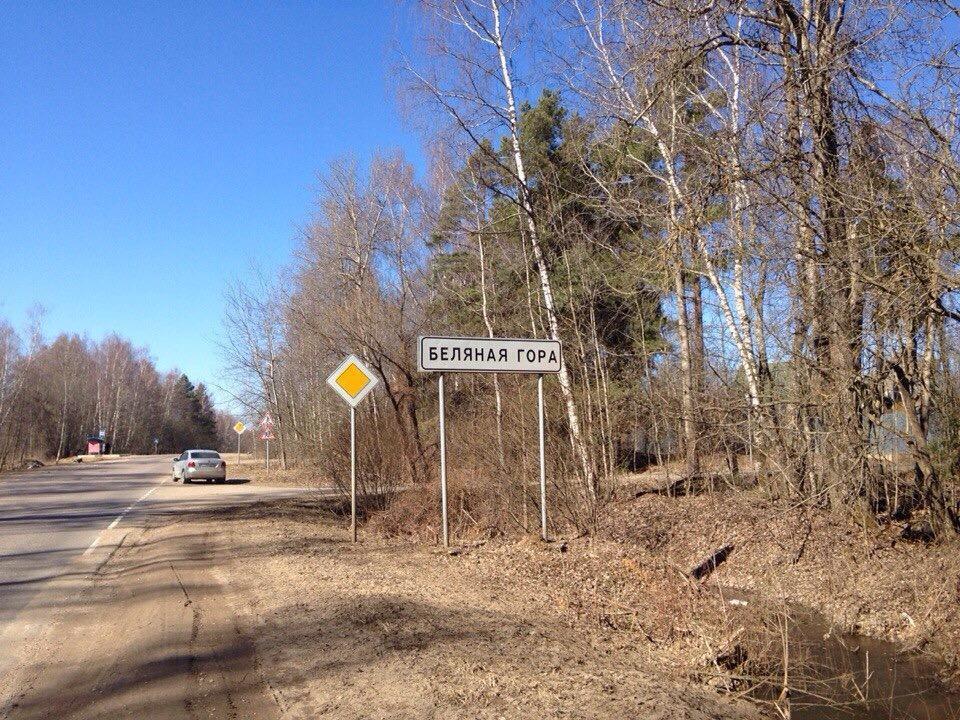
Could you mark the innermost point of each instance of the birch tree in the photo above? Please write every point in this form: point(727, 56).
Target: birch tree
point(476, 90)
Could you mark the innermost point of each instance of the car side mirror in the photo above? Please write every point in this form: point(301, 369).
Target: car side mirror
point(175, 459)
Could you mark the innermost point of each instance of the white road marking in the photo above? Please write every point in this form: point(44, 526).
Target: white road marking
point(93, 545)
point(147, 494)
point(117, 519)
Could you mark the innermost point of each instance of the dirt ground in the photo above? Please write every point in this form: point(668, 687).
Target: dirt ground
point(631, 577)
point(282, 613)
point(864, 578)
point(154, 636)
point(393, 629)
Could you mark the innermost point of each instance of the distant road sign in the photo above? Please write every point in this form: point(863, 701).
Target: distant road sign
point(266, 426)
point(352, 380)
point(239, 428)
point(103, 434)
point(489, 355)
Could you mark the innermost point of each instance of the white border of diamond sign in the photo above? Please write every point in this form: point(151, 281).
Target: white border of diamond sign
point(353, 401)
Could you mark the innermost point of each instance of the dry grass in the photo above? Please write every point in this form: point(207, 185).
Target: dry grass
point(632, 576)
point(392, 628)
point(253, 468)
point(861, 577)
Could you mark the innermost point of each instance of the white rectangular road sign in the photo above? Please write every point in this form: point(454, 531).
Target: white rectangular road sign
point(488, 355)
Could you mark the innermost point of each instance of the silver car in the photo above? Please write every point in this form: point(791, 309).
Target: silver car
point(199, 465)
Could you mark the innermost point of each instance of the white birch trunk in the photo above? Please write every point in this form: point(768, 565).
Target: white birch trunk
point(546, 288)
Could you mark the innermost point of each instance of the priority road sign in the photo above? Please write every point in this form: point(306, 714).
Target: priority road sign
point(239, 427)
point(352, 380)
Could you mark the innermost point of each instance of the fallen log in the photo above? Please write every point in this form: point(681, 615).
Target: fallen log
point(705, 567)
point(663, 488)
point(685, 485)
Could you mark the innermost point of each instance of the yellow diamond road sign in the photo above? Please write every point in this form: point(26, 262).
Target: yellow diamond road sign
point(239, 428)
point(352, 380)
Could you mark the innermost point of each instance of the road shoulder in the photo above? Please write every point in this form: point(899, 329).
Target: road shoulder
point(155, 635)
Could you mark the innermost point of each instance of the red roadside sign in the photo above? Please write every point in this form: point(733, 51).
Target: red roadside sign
point(266, 426)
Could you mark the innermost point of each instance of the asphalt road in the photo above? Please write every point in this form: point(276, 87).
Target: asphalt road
point(60, 528)
point(50, 517)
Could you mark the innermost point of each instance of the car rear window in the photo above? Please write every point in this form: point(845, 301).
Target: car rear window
point(205, 456)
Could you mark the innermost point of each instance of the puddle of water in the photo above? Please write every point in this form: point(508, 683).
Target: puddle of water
point(853, 677)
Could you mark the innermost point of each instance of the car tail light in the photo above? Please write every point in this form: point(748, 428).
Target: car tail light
point(191, 464)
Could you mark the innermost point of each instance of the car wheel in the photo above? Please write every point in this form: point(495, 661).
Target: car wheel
point(187, 480)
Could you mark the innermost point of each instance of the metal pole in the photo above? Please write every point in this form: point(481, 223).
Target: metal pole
point(543, 462)
point(268, 456)
point(443, 468)
point(238, 450)
point(353, 473)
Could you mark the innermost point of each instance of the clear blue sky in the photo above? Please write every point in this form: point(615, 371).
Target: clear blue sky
point(150, 150)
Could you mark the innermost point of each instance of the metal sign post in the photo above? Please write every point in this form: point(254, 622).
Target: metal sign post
point(238, 428)
point(543, 461)
point(443, 465)
point(490, 355)
point(353, 381)
point(353, 473)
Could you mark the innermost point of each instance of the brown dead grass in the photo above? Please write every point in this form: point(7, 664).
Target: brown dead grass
point(863, 578)
point(394, 628)
point(628, 584)
point(252, 468)
point(632, 573)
